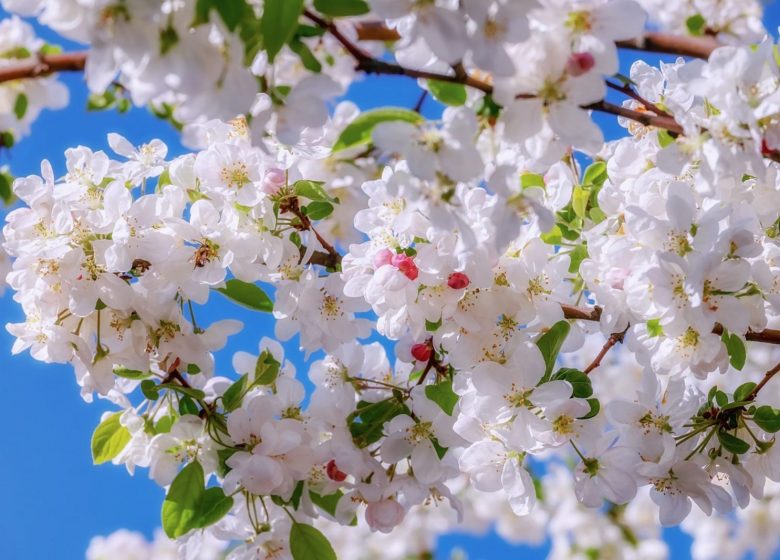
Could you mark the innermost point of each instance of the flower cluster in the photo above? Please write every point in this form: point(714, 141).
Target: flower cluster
point(21, 101)
point(456, 285)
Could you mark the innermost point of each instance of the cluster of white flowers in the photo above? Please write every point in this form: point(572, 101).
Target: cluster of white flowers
point(498, 267)
point(21, 101)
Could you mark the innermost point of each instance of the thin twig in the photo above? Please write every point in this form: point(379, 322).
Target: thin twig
point(767, 376)
point(613, 339)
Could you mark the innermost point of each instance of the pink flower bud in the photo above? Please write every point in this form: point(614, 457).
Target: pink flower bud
point(458, 281)
point(384, 516)
point(580, 63)
point(422, 352)
point(274, 180)
point(406, 265)
point(334, 473)
point(383, 257)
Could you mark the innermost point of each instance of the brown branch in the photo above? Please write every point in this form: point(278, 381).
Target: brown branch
point(667, 43)
point(651, 41)
point(44, 65)
point(629, 91)
point(613, 339)
point(769, 336)
point(767, 376)
point(644, 118)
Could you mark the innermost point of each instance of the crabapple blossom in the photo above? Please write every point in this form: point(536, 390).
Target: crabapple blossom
point(490, 318)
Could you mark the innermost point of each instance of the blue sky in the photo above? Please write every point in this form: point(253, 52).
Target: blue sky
point(52, 499)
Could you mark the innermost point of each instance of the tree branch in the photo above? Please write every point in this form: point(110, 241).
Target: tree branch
point(44, 65)
point(767, 376)
point(769, 336)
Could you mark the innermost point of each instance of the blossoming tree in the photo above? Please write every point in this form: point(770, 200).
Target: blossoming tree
point(507, 321)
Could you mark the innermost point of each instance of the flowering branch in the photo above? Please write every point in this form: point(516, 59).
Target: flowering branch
point(769, 336)
point(767, 376)
point(651, 41)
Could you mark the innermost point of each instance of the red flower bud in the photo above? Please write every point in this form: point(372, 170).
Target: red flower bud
point(458, 281)
point(334, 473)
point(406, 265)
point(580, 63)
point(422, 352)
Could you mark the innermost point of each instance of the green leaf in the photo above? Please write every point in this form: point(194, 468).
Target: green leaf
point(231, 11)
point(149, 389)
point(191, 392)
point(368, 420)
point(550, 344)
point(595, 407)
point(664, 138)
point(721, 398)
point(280, 20)
point(232, 397)
point(528, 180)
point(326, 503)
point(307, 57)
point(131, 373)
point(266, 369)
point(595, 174)
point(447, 92)
point(109, 439)
point(581, 386)
point(7, 139)
point(308, 543)
point(736, 349)
point(6, 188)
point(732, 443)
point(358, 132)
point(767, 418)
point(579, 201)
point(741, 393)
point(248, 295)
point(318, 210)
point(696, 24)
point(189, 505)
point(341, 8)
point(576, 256)
point(553, 237)
point(202, 9)
point(443, 395)
point(431, 326)
point(313, 191)
point(187, 406)
point(20, 106)
point(169, 38)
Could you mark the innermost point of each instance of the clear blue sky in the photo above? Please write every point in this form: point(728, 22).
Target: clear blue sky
point(52, 499)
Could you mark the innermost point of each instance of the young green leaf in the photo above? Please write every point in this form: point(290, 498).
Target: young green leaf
point(326, 503)
point(248, 295)
point(358, 132)
point(735, 346)
point(342, 8)
point(732, 443)
point(550, 344)
point(741, 393)
point(313, 191)
point(767, 418)
point(280, 19)
point(308, 543)
point(20, 106)
point(318, 210)
point(189, 505)
point(109, 439)
point(443, 395)
point(448, 93)
point(580, 383)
